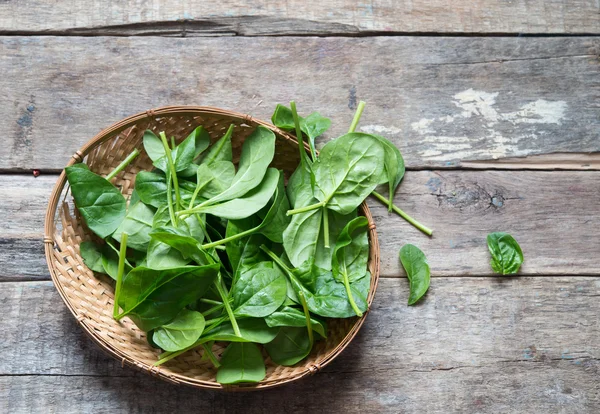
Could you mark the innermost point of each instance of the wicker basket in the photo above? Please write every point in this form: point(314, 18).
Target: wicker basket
point(89, 296)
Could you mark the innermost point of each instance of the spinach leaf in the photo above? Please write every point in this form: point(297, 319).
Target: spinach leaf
point(244, 252)
point(110, 261)
point(153, 146)
point(303, 239)
point(100, 203)
point(324, 295)
point(349, 168)
point(214, 179)
point(183, 242)
point(134, 198)
point(313, 125)
point(248, 204)
point(350, 256)
point(151, 188)
point(241, 363)
point(183, 154)
point(220, 150)
point(417, 270)
point(152, 298)
point(91, 254)
point(288, 316)
point(275, 219)
point(137, 224)
point(394, 169)
point(201, 140)
point(257, 153)
point(163, 256)
point(251, 329)
point(507, 256)
point(258, 292)
point(290, 346)
point(181, 332)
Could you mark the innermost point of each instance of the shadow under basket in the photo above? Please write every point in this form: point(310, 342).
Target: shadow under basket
point(89, 296)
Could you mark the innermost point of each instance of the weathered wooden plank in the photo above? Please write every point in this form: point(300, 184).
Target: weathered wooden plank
point(520, 344)
point(261, 17)
point(441, 100)
point(551, 214)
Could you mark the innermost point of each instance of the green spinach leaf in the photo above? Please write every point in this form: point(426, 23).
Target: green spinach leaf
point(152, 298)
point(181, 332)
point(220, 150)
point(100, 203)
point(251, 329)
point(91, 254)
point(417, 270)
point(241, 363)
point(290, 346)
point(288, 316)
point(137, 224)
point(507, 256)
point(258, 292)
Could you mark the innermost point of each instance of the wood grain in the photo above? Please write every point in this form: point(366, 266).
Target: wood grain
point(441, 100)
point(551, 214)
point(520, 344)
point(262, 17)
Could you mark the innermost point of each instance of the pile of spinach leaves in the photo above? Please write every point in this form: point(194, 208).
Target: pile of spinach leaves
point(205, 250)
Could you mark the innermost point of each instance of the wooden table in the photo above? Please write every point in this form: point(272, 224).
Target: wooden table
point(496, 108)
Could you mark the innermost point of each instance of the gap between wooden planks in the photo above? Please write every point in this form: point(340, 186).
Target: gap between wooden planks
point(298, 17)
point(442, 101)
point(551, 214)
point(522, 343)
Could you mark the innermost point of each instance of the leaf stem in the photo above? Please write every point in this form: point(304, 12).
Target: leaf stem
point(402, 214)
point(167, 356)
point(121, 269)
point(307, 315)
point(298, 134)
point(211, 302)
point(213, 309)
point(244, 233)
point(350, 296)
point(123, 164)
point(305, 209)
point(225, 299)
point(357, 115)
point(196, 192)
point(163, 137)
point(276, 259)
point(326, 227)
point(211, 356)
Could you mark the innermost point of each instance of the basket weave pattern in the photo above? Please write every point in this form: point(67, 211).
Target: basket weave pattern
point(89, 296)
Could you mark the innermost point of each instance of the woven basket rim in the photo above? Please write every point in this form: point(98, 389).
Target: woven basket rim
point(125, 359)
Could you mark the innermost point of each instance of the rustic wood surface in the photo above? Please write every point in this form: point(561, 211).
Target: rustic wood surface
point(473, 113)
point(523, 344)
point(551, 214)
point(263, 17)
point(443, 101)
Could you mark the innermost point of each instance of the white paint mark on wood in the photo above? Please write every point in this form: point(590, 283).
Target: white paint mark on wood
point(380, 129)
point(479, 107)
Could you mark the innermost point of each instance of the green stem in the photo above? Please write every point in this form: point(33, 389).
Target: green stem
point(121, 269)
point(357, 115)
point(167, 356)
point(172, 142)
point(170, 203)
point(402, 214)
point(276, 259)
point(213, 310)
point(226, 240)
point(307, 315)
point(163, 137)
point(326, 227)
point(350, 296)
point(298, 134)
point(211, 302)
point(211, 356)
point(305, 209)
point(196, 192)
point(216, 321)
point(224, 298)
point(122, 165)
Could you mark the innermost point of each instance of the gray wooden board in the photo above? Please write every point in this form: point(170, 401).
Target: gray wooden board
point(512, 344)
point(551, 214)
point(440, 100)
point(263, 17)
